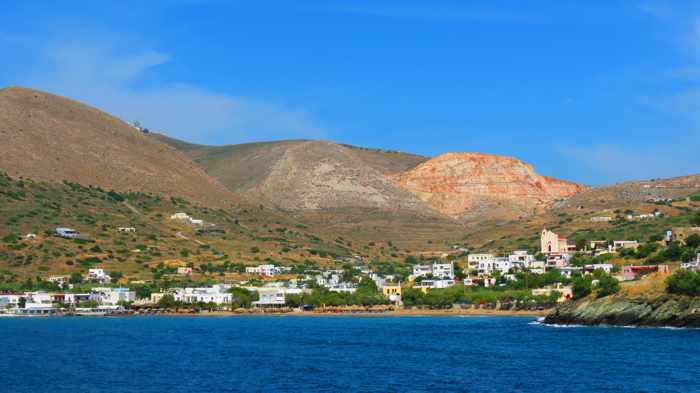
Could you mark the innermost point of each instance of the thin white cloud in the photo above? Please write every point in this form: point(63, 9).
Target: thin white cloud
point(106, 72)
point(617, 162)
point(439, 12)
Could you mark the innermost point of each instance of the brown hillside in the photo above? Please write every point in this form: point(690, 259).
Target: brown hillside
point(322, 175)
point(52, 138)
point(636, 191)
point(301, 175)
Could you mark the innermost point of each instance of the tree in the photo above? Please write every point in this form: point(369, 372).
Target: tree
point(684, 282)
point(28, 284)
point(693, 241)
point(143, 291)
point(88, 304)
point(581, 287)
point(76, 278)
point(242, 297)
point(115, 276)
point(695, 220)
point(607, 285)
point(167, 301)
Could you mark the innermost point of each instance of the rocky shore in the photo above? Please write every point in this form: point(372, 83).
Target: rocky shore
point(668, 310)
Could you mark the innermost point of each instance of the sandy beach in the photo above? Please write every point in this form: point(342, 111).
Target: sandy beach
point(363, 313)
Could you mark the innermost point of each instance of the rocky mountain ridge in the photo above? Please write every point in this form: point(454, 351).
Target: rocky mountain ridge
point(317, 175)
point(53, 138)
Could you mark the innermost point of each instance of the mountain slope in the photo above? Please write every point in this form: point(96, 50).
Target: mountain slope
point(313, 175)
point(636, 191)
point(47, 137)
point(324, 175)
point(302, 175)
point(472, 185)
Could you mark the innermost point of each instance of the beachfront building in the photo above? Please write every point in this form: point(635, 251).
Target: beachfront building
point(217, 294)
point(112, 296)
point(73, 299)
point(270, 298)
point(392, 290)
point(11, 300)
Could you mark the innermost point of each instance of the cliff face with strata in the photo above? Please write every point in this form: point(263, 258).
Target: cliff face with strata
point(470, 185)
point(668, 310)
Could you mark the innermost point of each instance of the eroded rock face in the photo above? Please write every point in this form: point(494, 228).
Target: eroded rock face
point(680, 311)
point(466, 185)
point(318, 175)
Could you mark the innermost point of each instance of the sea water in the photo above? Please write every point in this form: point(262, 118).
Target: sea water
point(340, 354)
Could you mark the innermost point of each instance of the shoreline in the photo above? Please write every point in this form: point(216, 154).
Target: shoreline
point(318, 313)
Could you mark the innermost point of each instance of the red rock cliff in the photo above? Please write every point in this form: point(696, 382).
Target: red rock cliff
point(464, 185)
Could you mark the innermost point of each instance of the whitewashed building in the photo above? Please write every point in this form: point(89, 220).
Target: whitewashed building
point(437, 270)
point(217, 294)
point(474, 259)
point(264, 270)
point(98, 275)
point(112, 296)
point(434, 284)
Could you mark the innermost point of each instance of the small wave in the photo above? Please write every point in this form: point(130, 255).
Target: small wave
point(558, 325)
point(540, 322)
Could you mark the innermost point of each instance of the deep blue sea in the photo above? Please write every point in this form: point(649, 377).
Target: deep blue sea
point(340, 354)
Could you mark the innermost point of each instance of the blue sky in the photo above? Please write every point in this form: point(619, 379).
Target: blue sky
point(595, 92)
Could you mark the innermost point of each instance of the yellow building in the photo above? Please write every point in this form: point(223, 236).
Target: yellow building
point(390, 290)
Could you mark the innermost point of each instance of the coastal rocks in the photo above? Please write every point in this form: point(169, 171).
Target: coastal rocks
point(464, 185)
point(676, 311)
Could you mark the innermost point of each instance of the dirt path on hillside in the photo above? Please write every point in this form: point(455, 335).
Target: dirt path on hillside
point(182, 236)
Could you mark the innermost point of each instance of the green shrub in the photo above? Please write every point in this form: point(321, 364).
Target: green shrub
point(684, 282)
point(581, 287)
point(11, 238)
point(607, 285)
point(89, 261)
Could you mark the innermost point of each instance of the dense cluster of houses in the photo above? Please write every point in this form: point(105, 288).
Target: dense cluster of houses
point(483, 269)
point(102, 299)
